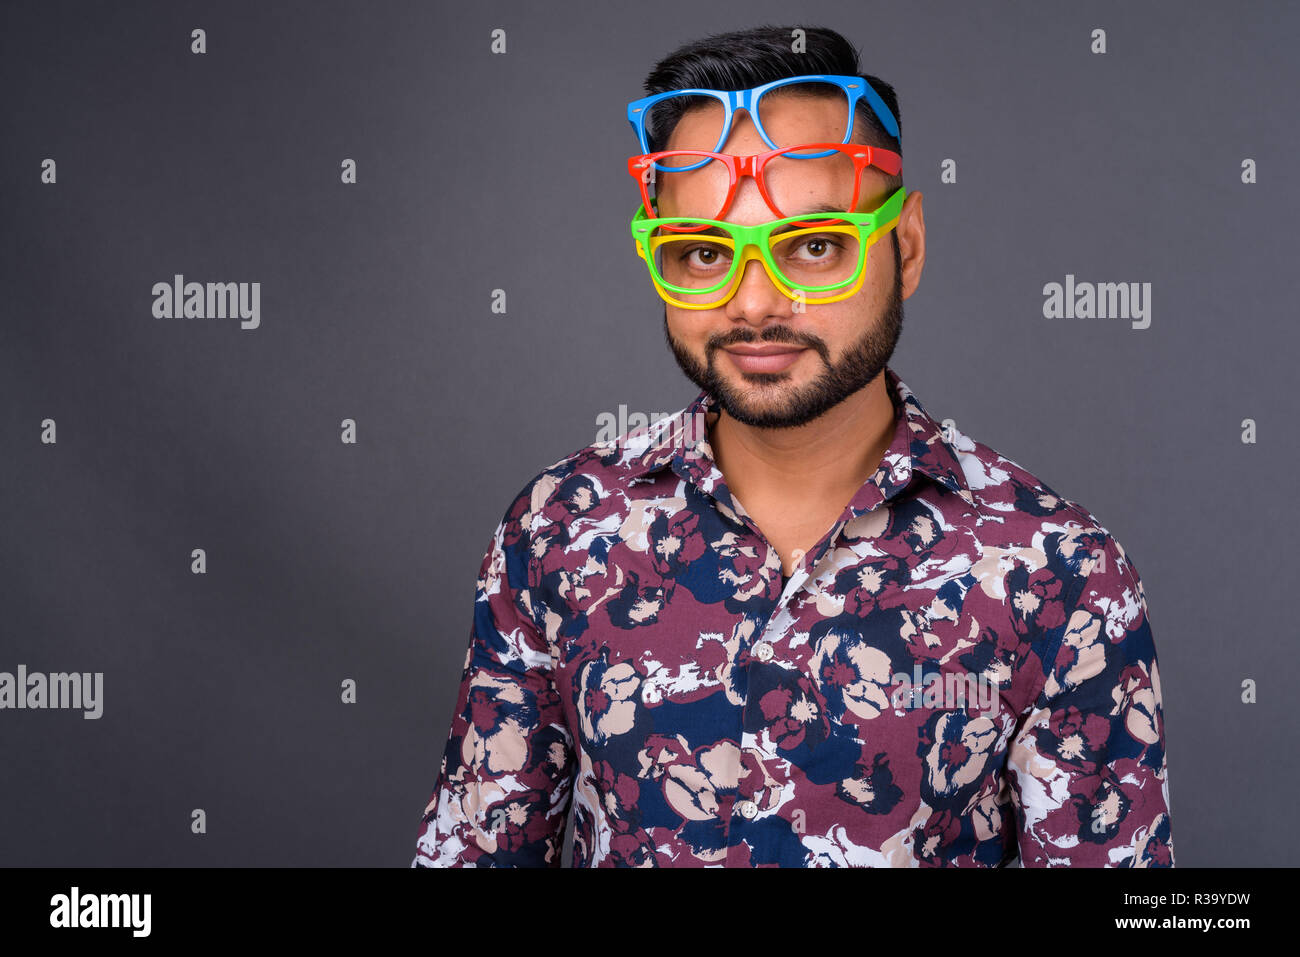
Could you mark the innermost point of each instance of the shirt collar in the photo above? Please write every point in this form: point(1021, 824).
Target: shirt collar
point(680, 441)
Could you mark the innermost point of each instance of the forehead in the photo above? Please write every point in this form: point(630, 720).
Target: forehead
point(788, 116)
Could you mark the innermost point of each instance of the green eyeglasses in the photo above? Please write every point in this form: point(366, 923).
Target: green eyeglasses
point(814, 258)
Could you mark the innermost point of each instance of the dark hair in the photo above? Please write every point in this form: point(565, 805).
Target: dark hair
point(748, 58)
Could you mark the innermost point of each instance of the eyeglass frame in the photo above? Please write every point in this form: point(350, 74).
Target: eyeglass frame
point(863, 156)
point(854, 87)
point(759, 237)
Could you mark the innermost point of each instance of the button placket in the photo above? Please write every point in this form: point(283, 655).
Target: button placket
point(760, 650)
point(764, 650)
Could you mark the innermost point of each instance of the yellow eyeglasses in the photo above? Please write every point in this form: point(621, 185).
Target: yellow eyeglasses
point(814, 258)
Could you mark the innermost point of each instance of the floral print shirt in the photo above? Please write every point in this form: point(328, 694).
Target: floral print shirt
point(635, 661)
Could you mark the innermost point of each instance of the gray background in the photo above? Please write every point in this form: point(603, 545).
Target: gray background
point(479, 171)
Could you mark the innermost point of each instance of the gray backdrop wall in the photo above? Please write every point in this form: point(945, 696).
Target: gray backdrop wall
point(329, 561)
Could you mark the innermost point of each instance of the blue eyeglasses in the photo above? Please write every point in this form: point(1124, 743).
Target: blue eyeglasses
point(649, 114)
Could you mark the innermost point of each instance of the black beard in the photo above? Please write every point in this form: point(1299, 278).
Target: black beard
point(864, 360)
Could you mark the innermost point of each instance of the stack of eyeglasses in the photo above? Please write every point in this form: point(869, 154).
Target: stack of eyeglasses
point(810, 256)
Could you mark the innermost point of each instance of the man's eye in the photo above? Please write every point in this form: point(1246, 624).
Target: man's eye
point(704, 255)
point(816, 247)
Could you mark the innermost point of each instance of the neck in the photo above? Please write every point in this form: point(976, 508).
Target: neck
point(826, 459)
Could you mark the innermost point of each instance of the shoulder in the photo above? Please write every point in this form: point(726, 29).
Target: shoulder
point(595, 479)
point(1071, 590)
point(1020, 509)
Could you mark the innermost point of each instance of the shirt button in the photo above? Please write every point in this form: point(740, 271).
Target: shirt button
point(763, 651)
point(748, 808)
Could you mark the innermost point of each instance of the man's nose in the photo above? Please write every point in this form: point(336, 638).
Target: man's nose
point(756, 297)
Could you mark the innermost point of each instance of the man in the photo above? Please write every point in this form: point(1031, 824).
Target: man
point(825, 633)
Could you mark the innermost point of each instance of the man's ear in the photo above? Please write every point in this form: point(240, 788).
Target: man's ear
point(911, 237)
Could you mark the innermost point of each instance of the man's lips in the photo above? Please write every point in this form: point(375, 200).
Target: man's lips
point(773, 357)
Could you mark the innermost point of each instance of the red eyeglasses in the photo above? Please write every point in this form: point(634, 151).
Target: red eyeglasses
point(786, 177)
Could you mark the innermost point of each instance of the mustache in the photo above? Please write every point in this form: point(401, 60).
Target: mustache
point(776, 334)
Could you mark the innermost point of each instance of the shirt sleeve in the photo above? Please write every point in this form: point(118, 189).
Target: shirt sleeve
point(1087, 763)
point(502, 793)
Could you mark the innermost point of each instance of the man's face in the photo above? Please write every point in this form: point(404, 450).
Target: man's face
point(834, 349)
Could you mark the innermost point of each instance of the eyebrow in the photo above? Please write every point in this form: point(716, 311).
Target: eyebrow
point(821, 208)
